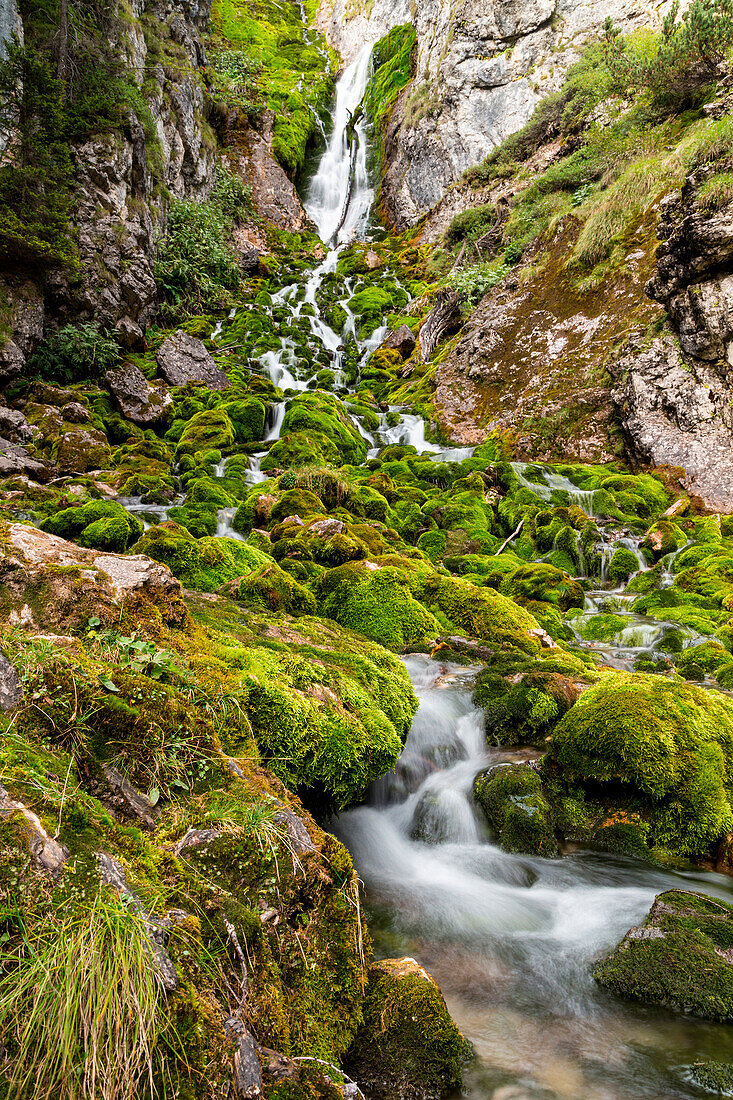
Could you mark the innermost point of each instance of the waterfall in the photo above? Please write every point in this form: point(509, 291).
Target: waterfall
point(340, 197)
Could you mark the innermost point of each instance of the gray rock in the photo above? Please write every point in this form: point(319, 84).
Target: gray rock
point(247, 1068)
point(15, 460)
point(136, 398)
point(75, 413)
point(401, 340)
point(130, 334)
point(249, 257)
point(183, 358)
point(11, 688)
point(14, 426)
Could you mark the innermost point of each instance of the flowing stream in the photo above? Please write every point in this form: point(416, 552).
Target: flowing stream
point(509, 938)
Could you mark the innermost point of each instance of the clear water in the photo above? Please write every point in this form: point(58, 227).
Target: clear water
point(511, 939)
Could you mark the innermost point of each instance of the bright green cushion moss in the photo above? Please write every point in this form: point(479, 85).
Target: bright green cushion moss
point(667, 746)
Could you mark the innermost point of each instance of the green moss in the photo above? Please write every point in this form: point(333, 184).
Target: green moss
point(511, 797)
point(482, 613)
point(523, 712)
point(272, 589)
point(377, 603)
point(204, 564)
point(99, 524)
point(662, 747)
point(205, 431)
point(679, 962)
point(622, 564)
point(407, 1046)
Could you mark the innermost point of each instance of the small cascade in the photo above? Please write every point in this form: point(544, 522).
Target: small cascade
point(277, 415)
point(554, 482)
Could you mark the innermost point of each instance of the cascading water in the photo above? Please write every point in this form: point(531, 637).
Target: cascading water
point(340, 195)
point(511, 938)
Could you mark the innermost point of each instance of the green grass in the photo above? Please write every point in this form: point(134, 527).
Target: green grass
point(79, 1008)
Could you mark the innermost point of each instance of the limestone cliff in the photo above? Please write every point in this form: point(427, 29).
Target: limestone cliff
point(482, 66)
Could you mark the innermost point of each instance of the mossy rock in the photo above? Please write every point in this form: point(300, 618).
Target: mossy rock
point(407, 1046)
point(622, 564)
point(523, 712)
point(516, 808)
point(537, 581)
point(483, 613)
point(207, 430)
point(713, 1077)
point(202, 564)
point(663, 748)
point(98, 524)
point(677, 958)
point(324, 414)
point(272, 589)
point(376, 602)
point(248, 416)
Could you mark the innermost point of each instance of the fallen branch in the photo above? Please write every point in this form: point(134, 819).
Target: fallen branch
point(511, 538)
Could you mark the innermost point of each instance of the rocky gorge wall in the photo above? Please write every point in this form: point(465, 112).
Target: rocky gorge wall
point(481, 68)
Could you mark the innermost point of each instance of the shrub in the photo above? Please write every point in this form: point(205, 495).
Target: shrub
point(74, 353)
point(475, 281)
point(677, 71)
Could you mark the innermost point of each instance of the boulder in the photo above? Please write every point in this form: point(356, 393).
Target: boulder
point(679, 958)
point(75, 413)
point(408, 1045)
point(77, 452)
point(136, 398)
point(49, 583)
point(15, 461)
point(511, 796)
point(183, 358)
point(14, 426)
point(401, 340)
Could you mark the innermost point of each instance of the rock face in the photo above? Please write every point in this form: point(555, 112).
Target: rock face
point(183, 358)
point(678, 958)
point(136, 398)
point(273, 193)
point(674, 397)
point(481, 68)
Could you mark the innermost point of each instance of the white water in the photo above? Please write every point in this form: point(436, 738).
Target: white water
point(340, 195)
point(511, 938)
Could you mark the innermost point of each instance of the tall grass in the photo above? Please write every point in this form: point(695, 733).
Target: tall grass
point(79, 1007)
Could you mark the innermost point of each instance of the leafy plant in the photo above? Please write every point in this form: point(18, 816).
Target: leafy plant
point(136, 654)
point(75, 352)
point(475, 281)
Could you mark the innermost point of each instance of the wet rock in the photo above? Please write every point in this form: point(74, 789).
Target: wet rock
point(249, 257)
point(13, 426)
point(372, 260)
point(679, 958)
point(11, 687)
point(183, 358)
point(136, 398)
point(407, 1046)
point(401, 340)
point(45, 850)
point(15, 461)
point(516, 808)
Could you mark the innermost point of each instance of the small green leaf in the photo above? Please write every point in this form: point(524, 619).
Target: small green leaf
point(94, 621)
point(108, 684)
point(153, 795)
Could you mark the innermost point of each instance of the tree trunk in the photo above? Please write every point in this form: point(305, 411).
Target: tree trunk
point(444, 318)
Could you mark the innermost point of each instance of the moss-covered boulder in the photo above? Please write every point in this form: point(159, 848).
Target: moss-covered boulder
point(483, 613)
point(523, 710)
point(661, 748)
point(407, 1046)
point(679, 958)
point(205, 431)
point(203, 564)
point(537, 581)
point(270, 588)
point(324, 414)
point(376, 602)
point(98, 524)
point(511, 796)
